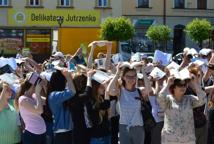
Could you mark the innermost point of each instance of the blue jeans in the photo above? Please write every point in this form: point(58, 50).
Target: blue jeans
point(101, 140)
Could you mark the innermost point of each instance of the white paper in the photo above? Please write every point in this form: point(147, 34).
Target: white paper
point(161, 57)
point(192, 52)
point(136, 57)
point(100, 62)
point(117, 58)
point(56, 62)
point(183, 74)
point(15, 87)
point(174, 72)
point(46, 75)
point(139, 75)
point(99, 43)
point(100, 76)
point(19, 61)
point(10, 61)
point(173, 65)
point(132, 65)
point(9, 78)
point(200, 61)
point(157, 73)
point(205, 51)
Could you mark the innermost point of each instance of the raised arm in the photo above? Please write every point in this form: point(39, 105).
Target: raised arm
point(4, 96)
point(113, 87)
point(70, 83)
point(90, 57)
point(148, 87)
point(108, 56)
point(162, 96)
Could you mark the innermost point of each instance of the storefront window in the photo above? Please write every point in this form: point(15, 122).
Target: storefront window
point(4, 2)
point(39, 41)
point(11, 40)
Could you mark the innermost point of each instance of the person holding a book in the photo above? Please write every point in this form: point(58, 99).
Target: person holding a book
point(131, 127)
point(29, 103)
point(96, 114)
point(10, 132)
point(60, 91)
point(178, 109)
point(81, 133)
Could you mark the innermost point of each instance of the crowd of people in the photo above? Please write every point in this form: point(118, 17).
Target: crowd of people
point(71, 99)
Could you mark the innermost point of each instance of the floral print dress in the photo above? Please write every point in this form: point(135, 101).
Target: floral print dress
point(178, 117)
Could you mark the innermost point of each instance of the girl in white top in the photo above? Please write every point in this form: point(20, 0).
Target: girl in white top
point(131, 123)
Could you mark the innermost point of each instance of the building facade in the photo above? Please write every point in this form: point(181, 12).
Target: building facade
point(32, 24)
point(174, 13)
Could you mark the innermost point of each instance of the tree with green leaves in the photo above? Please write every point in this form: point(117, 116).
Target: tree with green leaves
point(158, 34)
point(117, 29)
point(199, 30)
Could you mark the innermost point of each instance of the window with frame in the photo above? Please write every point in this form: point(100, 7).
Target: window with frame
point(65, 3)
point(143, 3)
point(179, 3)
point(202, 4)
point(4, 2)
point(102, 3)
point(34, 3)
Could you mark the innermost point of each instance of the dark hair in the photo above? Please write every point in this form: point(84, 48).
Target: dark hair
point(80, 82)
point(57, 82)
point(96, 116)
point(95, 86)
point(124, 71)
point(25, 86)
point(176, 83)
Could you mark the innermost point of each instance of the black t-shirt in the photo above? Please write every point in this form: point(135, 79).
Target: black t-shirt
point(100, 124)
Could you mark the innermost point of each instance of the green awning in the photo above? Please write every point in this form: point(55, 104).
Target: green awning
point(144, 22)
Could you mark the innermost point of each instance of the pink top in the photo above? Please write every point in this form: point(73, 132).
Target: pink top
point(34, 123)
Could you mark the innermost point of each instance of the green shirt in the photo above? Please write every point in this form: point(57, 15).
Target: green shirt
point(9, 121)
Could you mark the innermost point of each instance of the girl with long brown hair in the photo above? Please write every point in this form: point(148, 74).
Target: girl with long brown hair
point(97, 113)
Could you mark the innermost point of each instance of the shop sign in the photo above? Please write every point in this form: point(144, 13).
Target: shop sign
point(10, 45)
point(144, 22)
point(38, 17)
point(37, 38)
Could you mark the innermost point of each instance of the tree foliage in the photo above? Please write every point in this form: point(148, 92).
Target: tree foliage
point(158, 33)
point(117, 29)
point(199, 30)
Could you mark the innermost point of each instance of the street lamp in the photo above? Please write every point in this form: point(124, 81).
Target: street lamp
point(164, 12)
point(60, 21)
